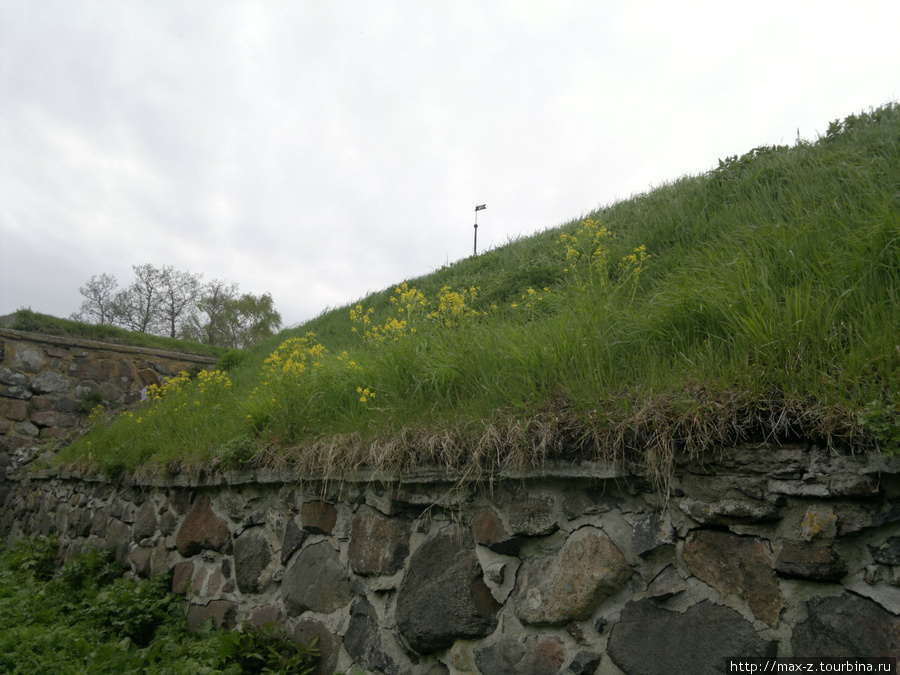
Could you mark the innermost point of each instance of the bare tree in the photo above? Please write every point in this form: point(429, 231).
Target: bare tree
point(168, 302)
point(179, 292)
point(98, 305)
point(138, 306)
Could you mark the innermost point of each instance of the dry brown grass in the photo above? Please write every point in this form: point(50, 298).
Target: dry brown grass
point(643, 435)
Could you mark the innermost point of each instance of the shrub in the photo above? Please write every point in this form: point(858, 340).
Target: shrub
point(268, 649)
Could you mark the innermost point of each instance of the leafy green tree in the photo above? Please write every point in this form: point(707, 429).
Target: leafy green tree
point(208, 324)
point(225, 318)
point(249, 319)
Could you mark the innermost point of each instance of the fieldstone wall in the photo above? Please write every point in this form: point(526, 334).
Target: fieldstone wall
point(579, 568)
point(47, 384)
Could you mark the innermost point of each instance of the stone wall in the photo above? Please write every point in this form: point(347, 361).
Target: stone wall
point(47, 384)
point(578, 568)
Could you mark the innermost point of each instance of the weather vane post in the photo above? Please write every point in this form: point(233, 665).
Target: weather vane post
point(482, 207)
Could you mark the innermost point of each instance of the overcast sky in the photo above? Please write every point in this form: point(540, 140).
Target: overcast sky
point(322, 150)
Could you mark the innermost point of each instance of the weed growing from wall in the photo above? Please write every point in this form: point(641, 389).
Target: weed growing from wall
point(882, 419)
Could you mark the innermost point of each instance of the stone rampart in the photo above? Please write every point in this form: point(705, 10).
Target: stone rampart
point(48, 385)
point(576, 568)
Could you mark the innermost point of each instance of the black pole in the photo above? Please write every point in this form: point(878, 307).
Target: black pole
point(477, 209)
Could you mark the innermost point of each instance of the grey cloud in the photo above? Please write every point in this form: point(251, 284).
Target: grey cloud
point(320, 150)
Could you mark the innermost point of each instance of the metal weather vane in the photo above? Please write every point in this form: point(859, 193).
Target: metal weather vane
point(478, 208)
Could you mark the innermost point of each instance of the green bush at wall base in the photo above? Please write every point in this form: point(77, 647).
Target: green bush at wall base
point(86, 619)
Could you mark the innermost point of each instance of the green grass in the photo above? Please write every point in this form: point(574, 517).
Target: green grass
point(34, 322)
point(767, 309)
point(85, 618)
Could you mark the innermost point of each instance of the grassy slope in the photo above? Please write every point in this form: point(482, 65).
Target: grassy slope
point(34, 322)
point(768, 308)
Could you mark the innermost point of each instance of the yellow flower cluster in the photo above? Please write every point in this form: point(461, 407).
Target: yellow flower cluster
point(365, 394)
point(408, 299)
point(392, 329)
point(531, 297)
point(357, 315)
point(294, 357)
point(351, 364)
point(97, 415)
point(587, 245)
point(171, 386)
point(635, 263)
point(181, 390)
point(139, 418)
point(454, 306)
point(211, 379)
point(587, 255)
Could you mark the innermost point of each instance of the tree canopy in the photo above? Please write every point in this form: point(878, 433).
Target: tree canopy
point(171, 303)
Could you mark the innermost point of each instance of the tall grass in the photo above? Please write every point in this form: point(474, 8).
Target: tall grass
point(759, 300)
